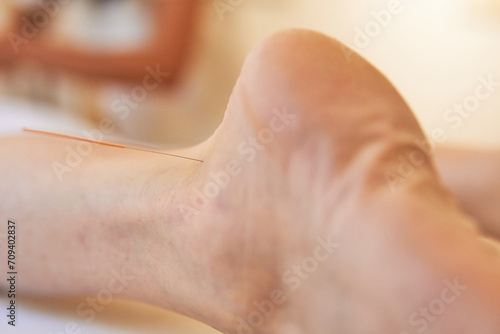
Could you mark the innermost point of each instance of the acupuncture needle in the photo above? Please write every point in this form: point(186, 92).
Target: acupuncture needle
point(53, 134)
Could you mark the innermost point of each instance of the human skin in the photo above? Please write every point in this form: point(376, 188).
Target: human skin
point(339, 126)
point(7, 56)
point(168, 47)
point(473, 175)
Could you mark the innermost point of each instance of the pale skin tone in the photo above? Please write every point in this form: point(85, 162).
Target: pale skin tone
point(321, 176)
point(472, 175)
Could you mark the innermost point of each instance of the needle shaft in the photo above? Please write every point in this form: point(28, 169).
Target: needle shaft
point(53, 134)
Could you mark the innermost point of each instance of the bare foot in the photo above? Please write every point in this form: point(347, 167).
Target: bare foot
point(291, 223)
point(289, 226)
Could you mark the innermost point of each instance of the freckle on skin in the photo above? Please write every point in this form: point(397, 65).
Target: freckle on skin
point(81, 239)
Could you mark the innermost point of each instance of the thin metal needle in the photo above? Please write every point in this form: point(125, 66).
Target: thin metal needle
point(106, 143)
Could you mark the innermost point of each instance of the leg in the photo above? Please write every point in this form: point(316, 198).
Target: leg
point(287, 227)
point(474, 178)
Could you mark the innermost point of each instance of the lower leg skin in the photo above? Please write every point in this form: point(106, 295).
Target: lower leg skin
point(84, 214)
point(289, 225)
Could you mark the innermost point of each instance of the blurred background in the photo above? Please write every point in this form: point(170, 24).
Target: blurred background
point(67, 65)
point(83, 58)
